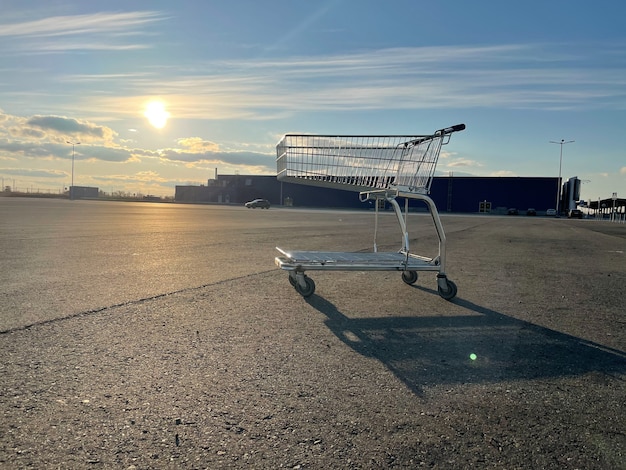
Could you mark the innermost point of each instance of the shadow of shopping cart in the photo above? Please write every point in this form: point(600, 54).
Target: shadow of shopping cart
point(482, 346)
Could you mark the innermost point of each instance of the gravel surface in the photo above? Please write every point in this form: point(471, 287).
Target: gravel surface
point(524, 369)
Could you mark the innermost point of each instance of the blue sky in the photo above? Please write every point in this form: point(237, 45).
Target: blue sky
point(233, 76)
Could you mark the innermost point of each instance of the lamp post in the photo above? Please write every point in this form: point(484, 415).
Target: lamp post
point(72, 186)
point(558, 192)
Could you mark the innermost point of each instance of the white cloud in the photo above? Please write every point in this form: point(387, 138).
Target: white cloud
point(462, 162)
point(70, 127)
point(502, 173)
point(44, 138)
point(197, 145)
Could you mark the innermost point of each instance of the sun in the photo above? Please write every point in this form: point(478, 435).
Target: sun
point(156, 114)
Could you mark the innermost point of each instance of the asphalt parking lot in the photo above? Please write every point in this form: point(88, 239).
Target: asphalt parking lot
point(163, 336)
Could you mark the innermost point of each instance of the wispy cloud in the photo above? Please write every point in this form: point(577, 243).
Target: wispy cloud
point(87, 46)
point(508, 76)
point(80, 24)
point(254, 162)
point(93, 32)
point(33, 173)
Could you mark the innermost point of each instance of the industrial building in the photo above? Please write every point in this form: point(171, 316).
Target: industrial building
point(84, 192)
point(466, 194)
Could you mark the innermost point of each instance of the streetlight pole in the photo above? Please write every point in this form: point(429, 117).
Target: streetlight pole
point(558, 192)
point(72, 186)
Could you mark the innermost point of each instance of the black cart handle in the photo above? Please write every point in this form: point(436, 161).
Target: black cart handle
point(451, 129)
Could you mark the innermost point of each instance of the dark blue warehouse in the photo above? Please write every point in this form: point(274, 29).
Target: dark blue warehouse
point(451, 194)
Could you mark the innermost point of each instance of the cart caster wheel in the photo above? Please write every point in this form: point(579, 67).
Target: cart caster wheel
point(308, 290)
point(450, 292)
point(410, 277)
point(293, 281)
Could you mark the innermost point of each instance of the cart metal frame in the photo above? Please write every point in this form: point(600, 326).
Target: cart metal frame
point(379, 168)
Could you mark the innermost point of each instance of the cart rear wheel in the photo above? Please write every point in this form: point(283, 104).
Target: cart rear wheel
point(450, 292)
point(410, 277)
point(308, 290)
point(293, 281)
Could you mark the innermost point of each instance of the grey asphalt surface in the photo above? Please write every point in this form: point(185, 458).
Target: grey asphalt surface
point(162, 336)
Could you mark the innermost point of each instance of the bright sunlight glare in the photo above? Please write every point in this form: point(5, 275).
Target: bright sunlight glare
point(156, 114)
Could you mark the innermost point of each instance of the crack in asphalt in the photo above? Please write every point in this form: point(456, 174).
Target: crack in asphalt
point(126, 303)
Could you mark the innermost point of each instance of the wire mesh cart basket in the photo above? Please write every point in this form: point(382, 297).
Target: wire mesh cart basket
point(378, 167)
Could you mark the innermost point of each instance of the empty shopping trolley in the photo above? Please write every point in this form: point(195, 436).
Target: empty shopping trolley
point(378, 167)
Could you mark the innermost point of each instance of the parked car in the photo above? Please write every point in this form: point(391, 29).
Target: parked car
point(262, 203)
point(531, 211)
point(512, 211)
point(551, 212)
point(575, 214)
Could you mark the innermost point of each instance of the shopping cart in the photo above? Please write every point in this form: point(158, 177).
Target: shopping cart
point(379, 167)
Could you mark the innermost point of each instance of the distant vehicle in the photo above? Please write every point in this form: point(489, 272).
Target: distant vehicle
point(512, 211)
point(575, 214)
point(531, 211)
point(551, 212)
point(262, 203)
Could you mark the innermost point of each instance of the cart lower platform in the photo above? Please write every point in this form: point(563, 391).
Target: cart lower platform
point(347, 261)
point(297, 262)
